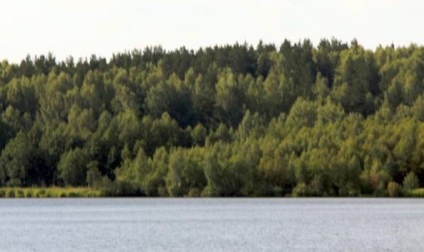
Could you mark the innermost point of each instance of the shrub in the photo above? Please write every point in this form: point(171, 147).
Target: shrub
point(162, 191)
point(208, 192)
point(20, 193)
point(41, 192)
point(194, 192)
point(417, 193)
point(73, 195)
point(410, 182)
point(10, 193)
point(28, 193)
point(37, 194)
point(277, 191)
point(300, 190)
point(394, 189)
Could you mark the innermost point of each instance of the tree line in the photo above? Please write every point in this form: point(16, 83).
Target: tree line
point(236, 120)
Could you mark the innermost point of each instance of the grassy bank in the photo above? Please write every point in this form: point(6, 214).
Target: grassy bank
point(416, 193)
point(86, 192)
point(49, 192)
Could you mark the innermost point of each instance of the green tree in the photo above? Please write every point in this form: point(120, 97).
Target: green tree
point(72, 167)
point(229, 98)
point(355, 78)
point(411, 181)
point(174, 179)
point(94, 177)
point(17, 161)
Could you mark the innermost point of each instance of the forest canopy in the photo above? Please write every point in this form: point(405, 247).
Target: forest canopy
point(334, 119)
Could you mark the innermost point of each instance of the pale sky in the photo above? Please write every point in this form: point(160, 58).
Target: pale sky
point(84, 27)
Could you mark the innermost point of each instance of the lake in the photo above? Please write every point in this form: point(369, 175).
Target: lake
point(140, 224)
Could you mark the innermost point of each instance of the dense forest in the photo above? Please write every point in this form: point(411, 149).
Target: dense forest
point(236, 120)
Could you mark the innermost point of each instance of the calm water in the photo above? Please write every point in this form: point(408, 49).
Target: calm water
point(211, 225)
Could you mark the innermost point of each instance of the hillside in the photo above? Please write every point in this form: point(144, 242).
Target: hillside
point(235, 120)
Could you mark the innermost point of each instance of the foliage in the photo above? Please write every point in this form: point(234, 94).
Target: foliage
point(394, 189)
point(410, 182)
point(50, 192)
point(234, 120)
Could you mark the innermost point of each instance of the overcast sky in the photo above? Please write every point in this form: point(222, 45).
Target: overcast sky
point(103, 27)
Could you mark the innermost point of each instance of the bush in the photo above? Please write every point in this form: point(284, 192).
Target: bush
point(209, 192)
point(37, 194)
point(410, 182)
point(277, 191)
point(20, 194)
point(28, 193)
point(120, 189)
point(300, 190)
point(194, 192)
point(41, 193)
point(394, 189)
point(162, 191)
point(73, 195)
point(10, 193)
point(417, 193)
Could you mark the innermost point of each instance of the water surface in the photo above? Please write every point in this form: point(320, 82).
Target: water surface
point(211, 225)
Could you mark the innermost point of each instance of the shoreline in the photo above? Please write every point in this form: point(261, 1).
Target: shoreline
point(87, 192)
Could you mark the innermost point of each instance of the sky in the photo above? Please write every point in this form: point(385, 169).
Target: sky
point(80, 28)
